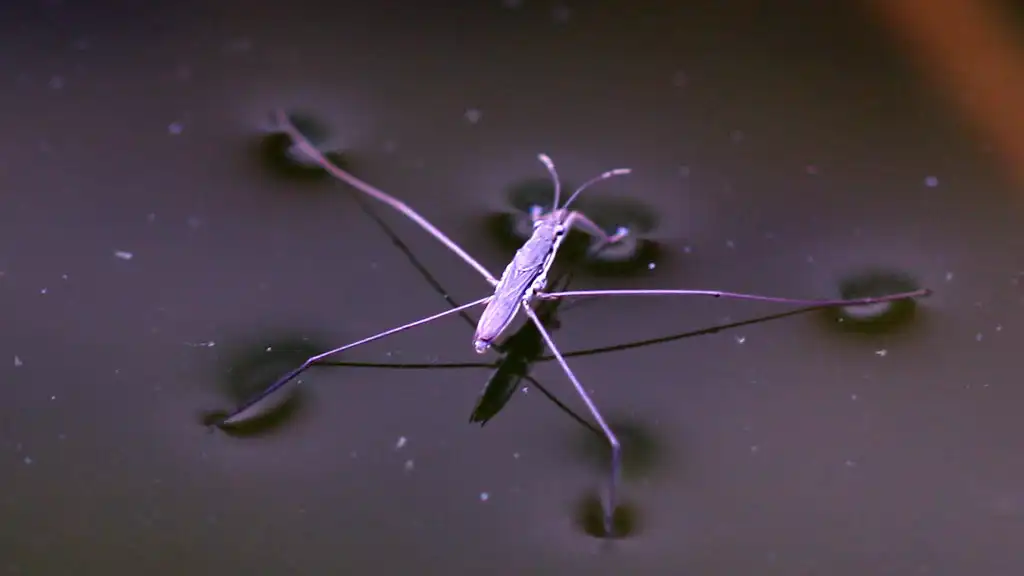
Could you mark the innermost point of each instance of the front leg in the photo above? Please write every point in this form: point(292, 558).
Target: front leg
point(580, 219)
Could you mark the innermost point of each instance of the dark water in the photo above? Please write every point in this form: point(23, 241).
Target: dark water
point(784, 150)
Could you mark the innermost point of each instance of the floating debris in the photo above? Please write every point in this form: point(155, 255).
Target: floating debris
point(484, 496)
point(123, 255)
point(473, 115)
point(401, 442)
point(17, 361)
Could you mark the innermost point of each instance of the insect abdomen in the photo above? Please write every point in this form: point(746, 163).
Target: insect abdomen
point(502, 309)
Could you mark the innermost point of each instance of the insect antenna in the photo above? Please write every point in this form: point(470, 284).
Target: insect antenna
point(550, 165)
point(595, 180)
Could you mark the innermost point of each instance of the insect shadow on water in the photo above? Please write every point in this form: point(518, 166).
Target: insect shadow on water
point(646, 451)
point(522, 286)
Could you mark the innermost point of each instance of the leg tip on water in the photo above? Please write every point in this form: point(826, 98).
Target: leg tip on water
point(596, 520)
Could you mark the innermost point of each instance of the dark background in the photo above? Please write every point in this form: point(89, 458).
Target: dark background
point(785, 146)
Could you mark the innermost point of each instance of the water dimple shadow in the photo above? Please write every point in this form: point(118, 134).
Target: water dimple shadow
point(642, 451)
point(511, 227)
point(249, 371)
point(899, 316)
point(636, 255)
point(276, 152)
point(588, 515)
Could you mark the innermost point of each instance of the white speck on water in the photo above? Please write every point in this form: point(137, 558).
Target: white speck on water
point(27, 460)
point(754, 448)
point(484, 496)
point(810, 259)
point(123, 255)
point(56, 82)
point(999, 327)
point(741, 339)
point(207, 344)
point(17, 362)
point(850, 463)
point(515, 455)
point(401, 442)
point(151, 217)
point(43, 291)
point(651, 265)
point(409, 465)
point(881, 353)
point(979, 337)
point(854, 397)
point(931, 181)
point(174, 128)
point(949, 276)
point(194, 222)
point(63, 276)
point(730, 244)
point(473, 115)
point(687, 249)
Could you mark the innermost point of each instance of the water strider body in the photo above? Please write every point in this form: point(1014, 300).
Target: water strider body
point(523, 281)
